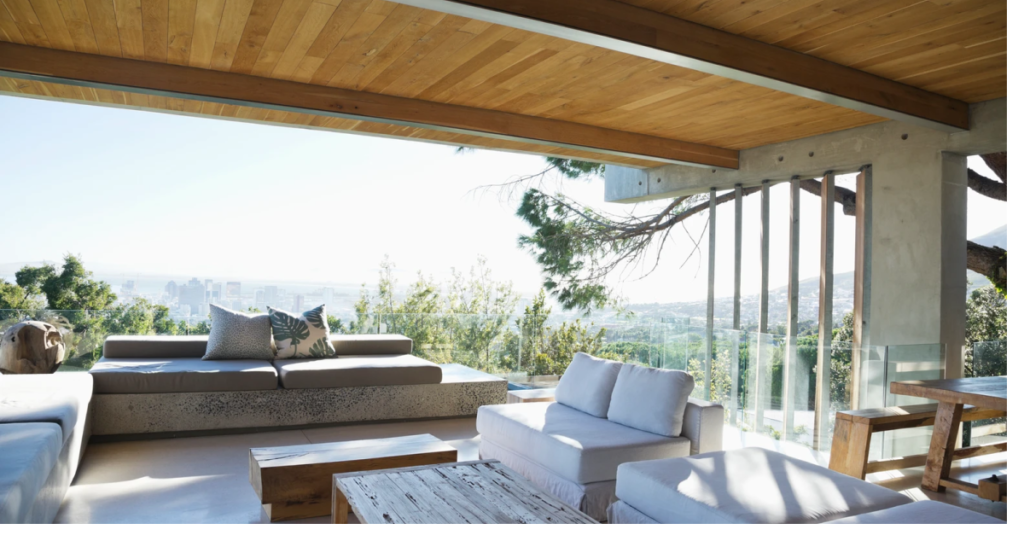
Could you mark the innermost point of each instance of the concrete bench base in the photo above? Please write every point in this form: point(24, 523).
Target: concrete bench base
point(460, 393)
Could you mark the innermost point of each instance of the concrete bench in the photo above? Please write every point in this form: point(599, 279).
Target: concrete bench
point(851, 438)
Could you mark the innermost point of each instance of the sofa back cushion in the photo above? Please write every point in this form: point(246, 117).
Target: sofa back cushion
point(371, 344)
point(587, 384)
point(154, 347)
point(650, 399)
point(234, 336)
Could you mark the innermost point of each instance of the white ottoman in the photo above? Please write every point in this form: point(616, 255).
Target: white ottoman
point(923, 512)
point(743, 486)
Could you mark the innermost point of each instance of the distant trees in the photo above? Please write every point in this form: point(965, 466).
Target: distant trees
point(82, 307)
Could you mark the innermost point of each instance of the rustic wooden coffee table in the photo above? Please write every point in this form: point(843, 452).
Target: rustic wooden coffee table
point(295, 481)
point(478, 492)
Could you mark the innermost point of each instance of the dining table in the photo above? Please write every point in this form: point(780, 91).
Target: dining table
point(952, 395)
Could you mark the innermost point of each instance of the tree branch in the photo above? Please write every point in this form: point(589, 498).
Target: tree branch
point(997, 163)
point(986, 186)
point(989, 262)
point(844, 196)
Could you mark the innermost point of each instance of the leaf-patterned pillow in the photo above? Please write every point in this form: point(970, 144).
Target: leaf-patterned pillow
point(301, 337)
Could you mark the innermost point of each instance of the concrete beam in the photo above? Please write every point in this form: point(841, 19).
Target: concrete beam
point(840, 152)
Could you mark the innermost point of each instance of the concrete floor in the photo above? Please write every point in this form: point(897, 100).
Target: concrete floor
point(206, 479)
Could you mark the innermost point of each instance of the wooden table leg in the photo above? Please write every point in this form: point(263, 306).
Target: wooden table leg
point(339, 507)
point(940, 453)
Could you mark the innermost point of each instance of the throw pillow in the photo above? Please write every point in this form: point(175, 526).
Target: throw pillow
point(650, 399)
point(234, 335)
point(587, 384)
point(302, 337)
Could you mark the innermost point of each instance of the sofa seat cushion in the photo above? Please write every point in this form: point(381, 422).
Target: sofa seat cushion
point(30, 451)
point(746, 486)
point(922, 512)
point(357, 371)
point(577, 446)
point(131, 376)
point(46, 398)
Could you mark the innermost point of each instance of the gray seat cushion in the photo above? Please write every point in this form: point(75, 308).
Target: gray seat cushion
point(572, 444)
point(156, 347)
point(130, 376)
point(48, 398)
point(746, 486)
point(371, 344)
point(357, 371)
point(923, 512)
point(29, 451)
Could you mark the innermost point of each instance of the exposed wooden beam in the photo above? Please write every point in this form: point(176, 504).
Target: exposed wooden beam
point(169, 80)
point(649, 34)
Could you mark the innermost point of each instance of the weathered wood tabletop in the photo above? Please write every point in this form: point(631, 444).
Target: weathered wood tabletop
point(982, 392)
point(478, 492)
point(952, 395)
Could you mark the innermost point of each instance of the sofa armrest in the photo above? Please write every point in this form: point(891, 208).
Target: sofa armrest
point(702, 425)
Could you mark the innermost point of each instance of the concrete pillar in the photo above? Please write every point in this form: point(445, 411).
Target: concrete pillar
point(919, 251)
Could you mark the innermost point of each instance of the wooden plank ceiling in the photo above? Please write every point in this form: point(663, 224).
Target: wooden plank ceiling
point(952, 47)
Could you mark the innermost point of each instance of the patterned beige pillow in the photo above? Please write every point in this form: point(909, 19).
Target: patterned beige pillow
point(301, 337)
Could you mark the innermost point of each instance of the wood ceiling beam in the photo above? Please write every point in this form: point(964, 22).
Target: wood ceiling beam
point(58, 66)
point(656, 36)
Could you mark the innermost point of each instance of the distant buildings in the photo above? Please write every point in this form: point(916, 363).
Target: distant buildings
point(193, 295)
point(270, 295)
point(172, 290)
point(128, 290)
point(233, 291)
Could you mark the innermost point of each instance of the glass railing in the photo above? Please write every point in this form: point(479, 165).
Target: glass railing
point(766, 383)
point(985, 359)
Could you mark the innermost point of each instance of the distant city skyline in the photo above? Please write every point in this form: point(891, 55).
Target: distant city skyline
point(138, 194)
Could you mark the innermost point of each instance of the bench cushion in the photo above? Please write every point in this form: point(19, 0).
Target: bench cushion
point(357, 371)
point(131, 376)
point(30, 451)
point(194, 346)
point(371, 344)
point(746, 486)
point(46, 398)
point(579, 447)
point(923, 512)
point(158, 347)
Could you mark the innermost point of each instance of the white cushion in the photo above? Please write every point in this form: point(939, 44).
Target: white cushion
point(923, 512)
point(303, 336)
point(570, 443)
point(650, 399)
point(746, 486)
point(587, 384)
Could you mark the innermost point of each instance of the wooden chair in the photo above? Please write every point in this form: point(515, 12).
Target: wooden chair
point(852, 437)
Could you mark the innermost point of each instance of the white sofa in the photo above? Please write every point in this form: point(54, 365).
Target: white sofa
point(574, 454)
point(45, 424)
point(758, 486)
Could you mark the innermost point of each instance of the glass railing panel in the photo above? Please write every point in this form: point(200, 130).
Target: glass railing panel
point(907, 363)
point(802, 359)
point(728, 371)
point(762, 395)
point(985, 359)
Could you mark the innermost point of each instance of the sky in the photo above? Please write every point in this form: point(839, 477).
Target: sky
point(146, 193)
